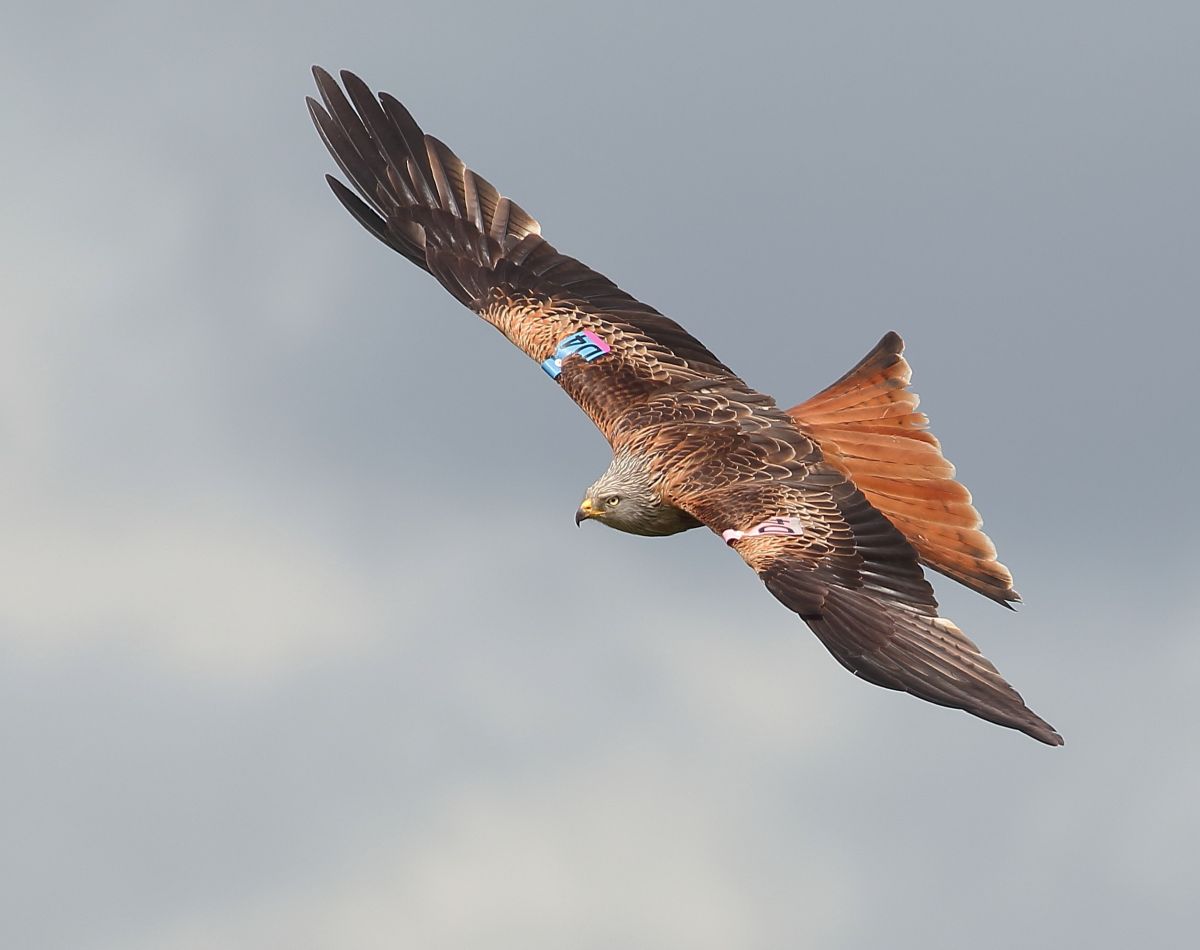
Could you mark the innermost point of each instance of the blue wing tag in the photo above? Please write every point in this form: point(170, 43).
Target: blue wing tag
point(584, 344)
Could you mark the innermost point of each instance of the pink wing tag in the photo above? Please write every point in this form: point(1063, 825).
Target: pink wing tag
point(772, 526)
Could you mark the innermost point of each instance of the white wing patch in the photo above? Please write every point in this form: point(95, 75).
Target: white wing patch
point(772, 526)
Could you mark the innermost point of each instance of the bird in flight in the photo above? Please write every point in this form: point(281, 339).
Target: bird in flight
point(835, 503)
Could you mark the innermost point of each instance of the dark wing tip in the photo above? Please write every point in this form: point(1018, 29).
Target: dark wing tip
point(904, 648)
point(355, 85)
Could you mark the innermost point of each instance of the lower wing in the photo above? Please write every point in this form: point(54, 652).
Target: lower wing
point(831, 557)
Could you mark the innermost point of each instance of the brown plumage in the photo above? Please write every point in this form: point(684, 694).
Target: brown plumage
point(834, 503)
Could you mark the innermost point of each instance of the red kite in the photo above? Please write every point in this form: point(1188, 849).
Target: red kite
point(835, 503)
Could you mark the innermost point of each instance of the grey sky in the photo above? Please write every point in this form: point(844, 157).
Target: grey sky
point(268, 677)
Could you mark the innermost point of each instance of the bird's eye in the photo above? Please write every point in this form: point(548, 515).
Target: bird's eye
point(611, 501)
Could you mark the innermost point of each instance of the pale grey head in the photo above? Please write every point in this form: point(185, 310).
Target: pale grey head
point(625, 498)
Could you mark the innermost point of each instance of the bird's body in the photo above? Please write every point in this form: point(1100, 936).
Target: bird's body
point(835, 503)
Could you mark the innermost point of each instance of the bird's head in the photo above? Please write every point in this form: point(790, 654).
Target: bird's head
point(625, 498)
point(619, 506)
point(622, 498)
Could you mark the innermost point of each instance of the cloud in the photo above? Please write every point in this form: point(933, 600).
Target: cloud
point(621, 847)
point(205, 587)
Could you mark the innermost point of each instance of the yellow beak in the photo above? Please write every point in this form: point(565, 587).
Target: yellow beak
point(585, 511)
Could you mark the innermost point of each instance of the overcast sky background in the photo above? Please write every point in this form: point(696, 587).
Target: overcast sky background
point(286, 658)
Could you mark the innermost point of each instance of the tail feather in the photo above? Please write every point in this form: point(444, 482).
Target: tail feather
point(943, 489)
point(868, 426)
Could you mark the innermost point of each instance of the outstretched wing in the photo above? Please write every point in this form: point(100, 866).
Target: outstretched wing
point(826, 553)
point(604, 346)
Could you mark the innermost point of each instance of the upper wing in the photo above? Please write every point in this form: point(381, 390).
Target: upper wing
point(416, 196)
point(826, 553)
